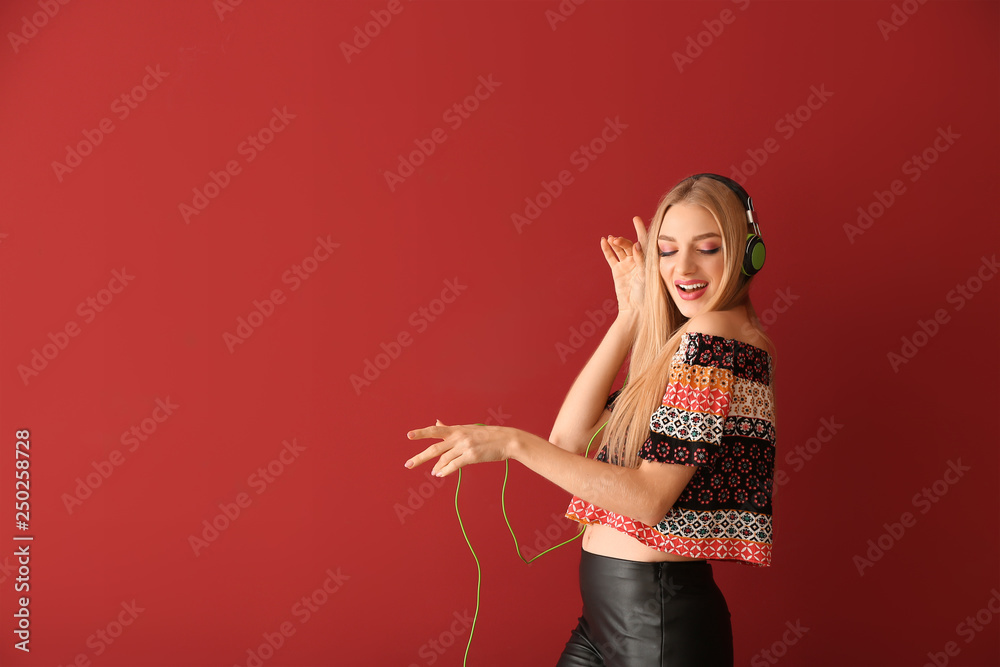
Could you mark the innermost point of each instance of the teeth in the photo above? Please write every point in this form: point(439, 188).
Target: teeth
point(692, 288)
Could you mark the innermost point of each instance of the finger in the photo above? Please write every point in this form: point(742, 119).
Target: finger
point(637, 253)
point(439, 430)
point(453, 464)
point(609, 252)
point(429, 453)
point(616, 246)
point(623, 247)
point(444, 464)
point(640, 229)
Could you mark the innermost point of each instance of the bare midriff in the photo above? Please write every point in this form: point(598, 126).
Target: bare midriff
point(607, 541)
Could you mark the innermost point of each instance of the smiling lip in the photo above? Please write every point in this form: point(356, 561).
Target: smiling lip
point(690, 296)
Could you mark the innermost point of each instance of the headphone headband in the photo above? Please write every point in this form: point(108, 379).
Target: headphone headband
point(753, 259)
point(744, 196)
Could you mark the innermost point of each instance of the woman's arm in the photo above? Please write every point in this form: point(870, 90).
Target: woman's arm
point(645, 493)
point(577, 419)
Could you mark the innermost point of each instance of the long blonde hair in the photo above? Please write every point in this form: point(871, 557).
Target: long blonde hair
point(660, 324)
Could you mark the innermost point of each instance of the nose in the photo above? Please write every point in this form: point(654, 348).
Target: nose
point(685, 262)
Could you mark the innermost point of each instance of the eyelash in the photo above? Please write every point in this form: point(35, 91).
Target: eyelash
point(704, 252)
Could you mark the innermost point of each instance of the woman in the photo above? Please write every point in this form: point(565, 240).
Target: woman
point(666, 493)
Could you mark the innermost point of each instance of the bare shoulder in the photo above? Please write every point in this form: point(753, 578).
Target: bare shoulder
point(729, 324)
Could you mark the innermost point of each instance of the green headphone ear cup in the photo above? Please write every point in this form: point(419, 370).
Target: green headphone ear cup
point(753, 259)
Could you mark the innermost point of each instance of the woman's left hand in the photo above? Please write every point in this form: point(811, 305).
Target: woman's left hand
point(462, 445)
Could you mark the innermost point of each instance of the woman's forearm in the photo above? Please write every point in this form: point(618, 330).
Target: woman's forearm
point(614, 488)
point(586, 398)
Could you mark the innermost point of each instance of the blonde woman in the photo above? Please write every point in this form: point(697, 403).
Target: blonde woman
point(684, 471)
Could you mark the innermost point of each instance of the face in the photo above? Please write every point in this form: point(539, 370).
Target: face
point(690, 252)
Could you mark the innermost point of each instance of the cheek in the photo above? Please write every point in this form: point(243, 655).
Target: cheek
point(671, 291)
point(715, 266)
point(665, 273)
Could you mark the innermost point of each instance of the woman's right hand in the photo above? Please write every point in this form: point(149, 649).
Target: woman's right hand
point(626, 260)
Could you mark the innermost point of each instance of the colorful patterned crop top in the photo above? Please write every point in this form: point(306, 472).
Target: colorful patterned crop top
point(717, 414)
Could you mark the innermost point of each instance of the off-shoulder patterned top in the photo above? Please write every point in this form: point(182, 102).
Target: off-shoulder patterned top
point(717, 414)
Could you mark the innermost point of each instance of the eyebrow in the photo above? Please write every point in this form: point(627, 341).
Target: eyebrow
point(697, 238)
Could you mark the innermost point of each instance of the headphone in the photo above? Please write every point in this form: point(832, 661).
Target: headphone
point(753, 258)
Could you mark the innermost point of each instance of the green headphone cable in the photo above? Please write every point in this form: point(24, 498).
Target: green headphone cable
point(479, 571)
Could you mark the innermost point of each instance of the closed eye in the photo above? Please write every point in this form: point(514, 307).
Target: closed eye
point(704, 252)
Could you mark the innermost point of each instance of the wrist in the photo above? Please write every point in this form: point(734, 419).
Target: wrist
point(627, 318)
point(514, 445)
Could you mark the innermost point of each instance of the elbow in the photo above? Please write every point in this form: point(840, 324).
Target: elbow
point(658, 508)
point(658, 495)
point(562, 443)
point(649, 512)
point(655, 517)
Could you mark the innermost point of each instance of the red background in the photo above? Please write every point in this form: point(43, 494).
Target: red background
point(836, 306)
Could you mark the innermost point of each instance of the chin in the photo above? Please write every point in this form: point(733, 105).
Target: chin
point(689, 310)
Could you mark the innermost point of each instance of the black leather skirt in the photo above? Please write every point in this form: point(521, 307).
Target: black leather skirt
point(636, 614)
